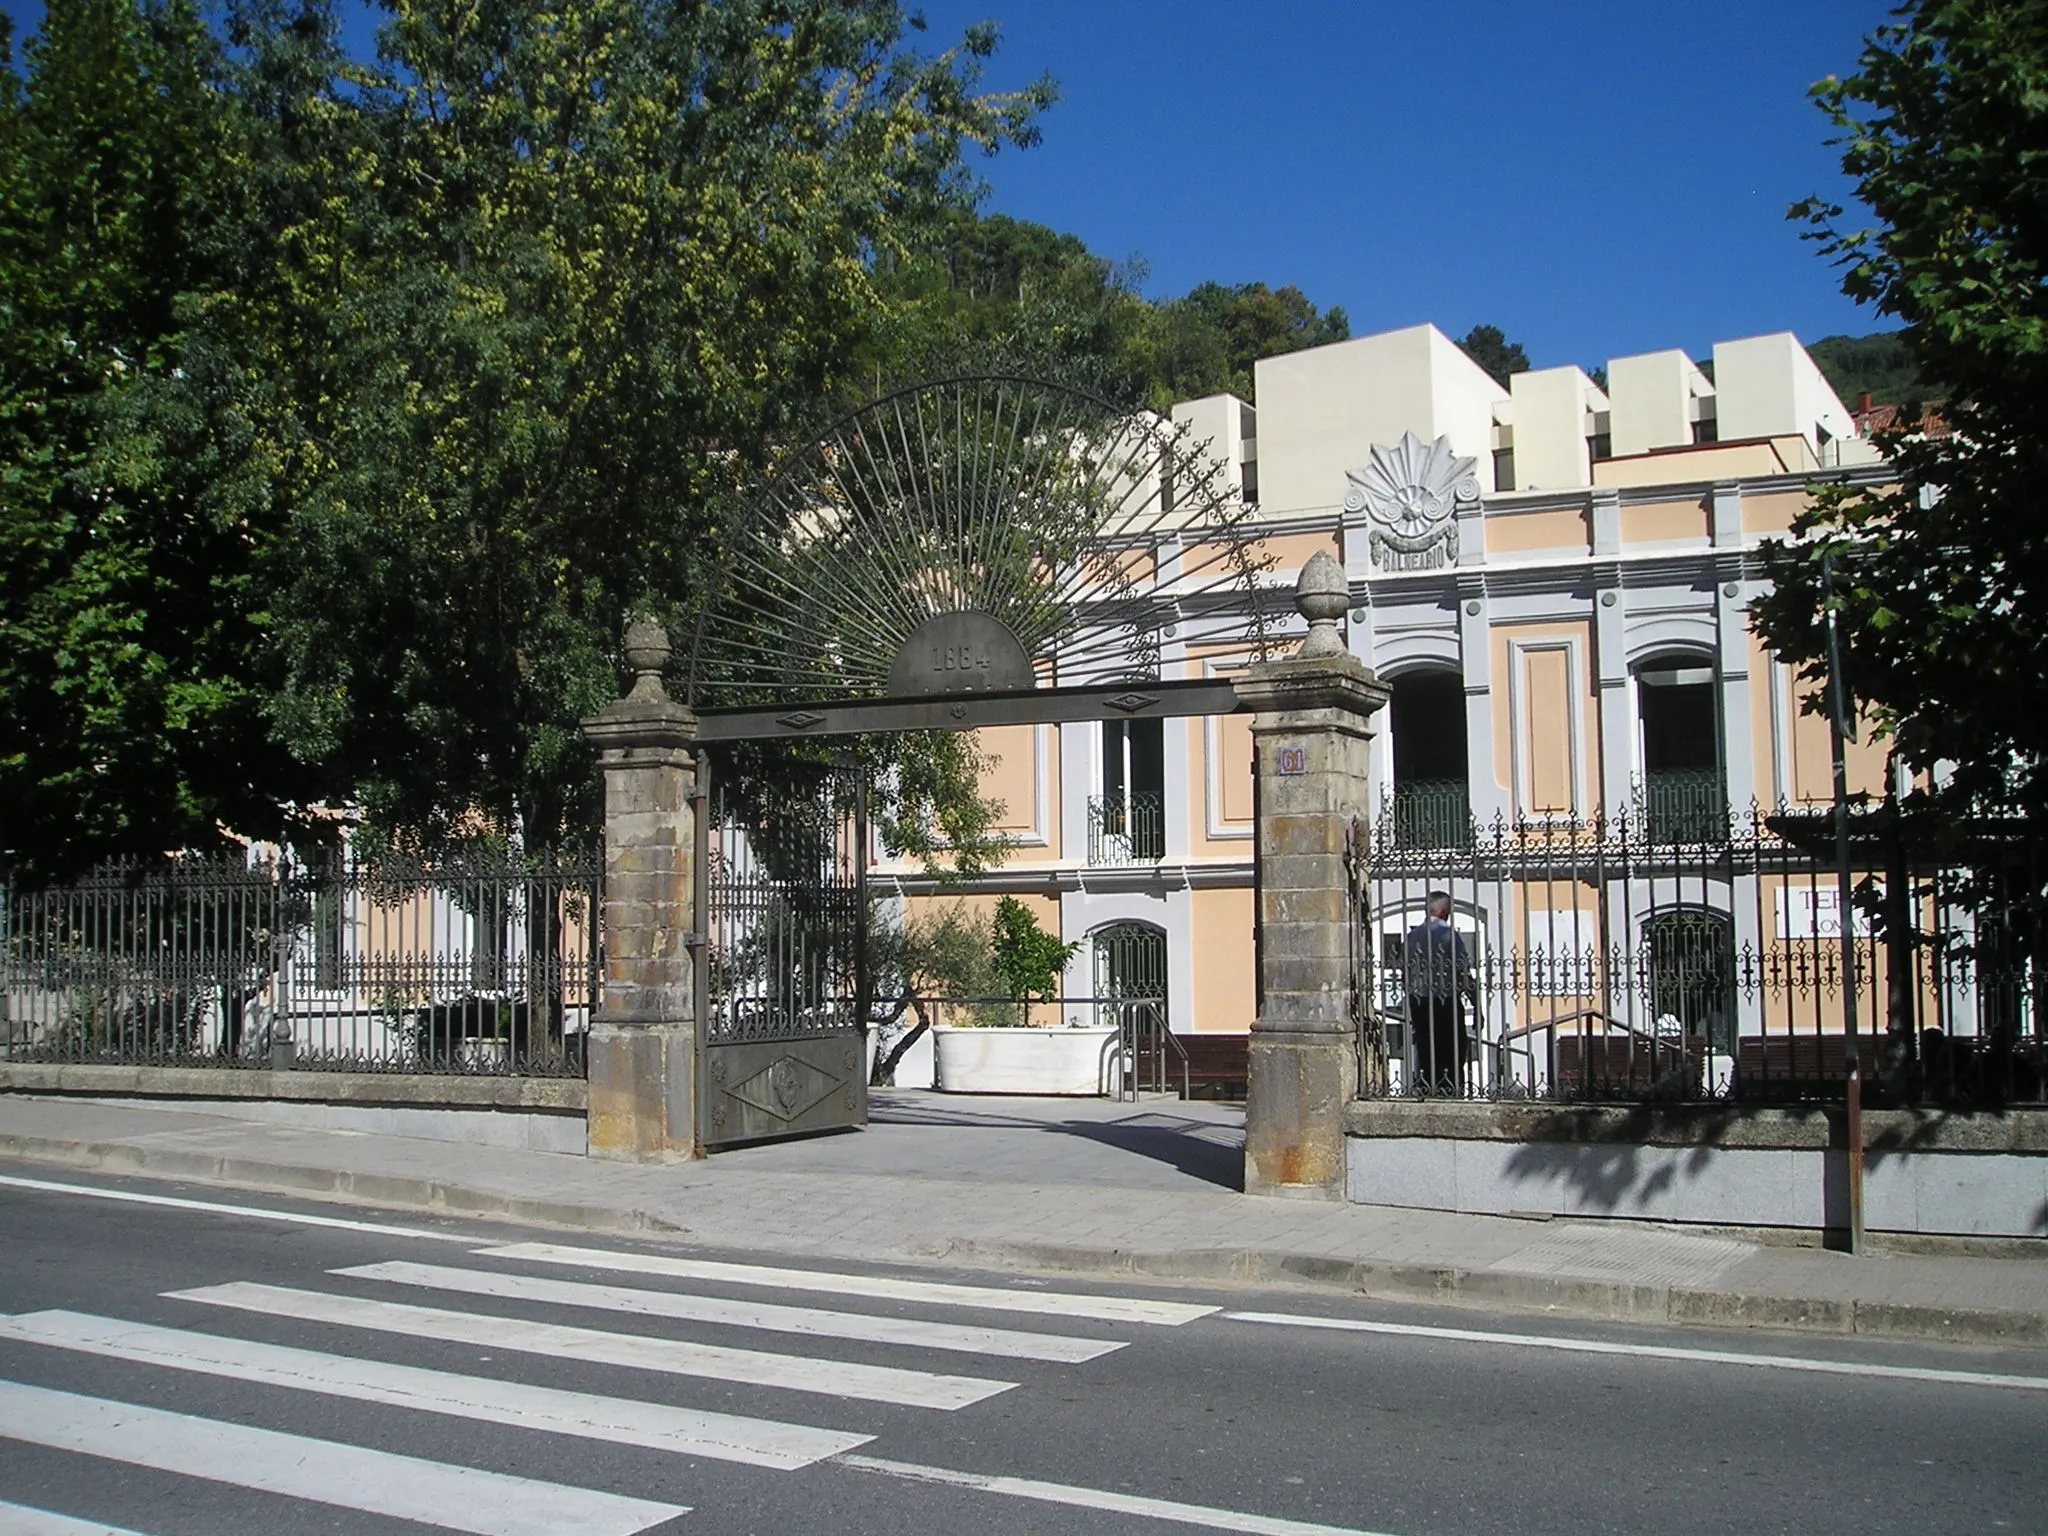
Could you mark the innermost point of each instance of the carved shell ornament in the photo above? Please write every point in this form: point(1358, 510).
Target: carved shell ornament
point(1410, 494)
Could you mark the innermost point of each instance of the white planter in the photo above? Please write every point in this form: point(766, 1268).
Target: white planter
point(1015, 1060)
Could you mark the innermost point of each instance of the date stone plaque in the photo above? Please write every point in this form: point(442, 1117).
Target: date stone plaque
point(965, 652)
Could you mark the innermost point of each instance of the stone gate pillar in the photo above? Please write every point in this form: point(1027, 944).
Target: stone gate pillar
point(1310, 734)
point(643, 1042)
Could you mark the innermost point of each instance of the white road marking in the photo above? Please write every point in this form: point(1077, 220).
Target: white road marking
point(1109, 1309)
point(835, 1378)
point(1101, 1498)
point(626, 1421)
point(220, 1208)
point(742, 1314)
point(20, 1520)
point(1650, 1351)
point(323, 1471)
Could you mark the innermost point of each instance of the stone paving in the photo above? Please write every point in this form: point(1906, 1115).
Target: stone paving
point(1079, 1185)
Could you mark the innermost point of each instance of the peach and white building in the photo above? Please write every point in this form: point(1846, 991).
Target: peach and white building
point(1553, 578)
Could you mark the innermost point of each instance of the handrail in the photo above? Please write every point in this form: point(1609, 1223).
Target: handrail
point(1564, 1022)
point(1130, 1032)
point(1186, 1076)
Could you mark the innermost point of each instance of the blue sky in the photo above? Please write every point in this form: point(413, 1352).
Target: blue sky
point(1597, 178)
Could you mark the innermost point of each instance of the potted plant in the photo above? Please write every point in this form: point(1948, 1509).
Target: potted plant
point(993, 1045)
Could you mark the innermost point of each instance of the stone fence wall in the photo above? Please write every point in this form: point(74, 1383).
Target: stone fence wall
point(1936, 1173)
point(534, 1114)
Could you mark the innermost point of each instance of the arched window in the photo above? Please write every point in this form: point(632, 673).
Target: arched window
point(1692, 974)
point(1426, 716)
point(1130, 960)
point(1685, 780)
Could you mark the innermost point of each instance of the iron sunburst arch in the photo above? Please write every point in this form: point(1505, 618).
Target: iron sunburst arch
point(1042, 532)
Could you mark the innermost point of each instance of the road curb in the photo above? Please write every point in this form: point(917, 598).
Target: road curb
point(1551, 1295)
point(385, 1191)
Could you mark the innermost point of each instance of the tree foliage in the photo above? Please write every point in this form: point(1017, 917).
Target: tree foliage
point(1028, 960)
point(1207, 342)
point(347, 407)
point(919, 961)
point(131, 629)
point(596, 266)
point(1943, 574)
point(1489, 347)
point(1880, 365)
point(1042, 298)
point(989, 286)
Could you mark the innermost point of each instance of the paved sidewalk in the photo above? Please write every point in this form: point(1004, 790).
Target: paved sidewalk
point(1078, 1185)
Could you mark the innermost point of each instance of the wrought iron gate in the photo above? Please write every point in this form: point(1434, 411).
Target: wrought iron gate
point(782, 975)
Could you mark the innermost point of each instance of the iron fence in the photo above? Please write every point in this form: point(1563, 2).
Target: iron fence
point(482, 962)
point(1669, 954)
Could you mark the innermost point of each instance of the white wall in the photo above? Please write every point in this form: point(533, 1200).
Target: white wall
point(1767, 386)
point(1462, 400)
point(1215, 435)
point(1550, 418)
point(1320, 411)
point(1950, 1194)
point(1651, 398)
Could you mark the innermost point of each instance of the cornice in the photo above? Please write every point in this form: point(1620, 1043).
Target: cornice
point(1060, 879)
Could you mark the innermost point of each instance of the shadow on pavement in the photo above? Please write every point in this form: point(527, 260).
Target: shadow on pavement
point(1180, 1143)
point(1209, 1150)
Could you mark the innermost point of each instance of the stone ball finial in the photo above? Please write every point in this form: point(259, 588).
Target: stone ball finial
point(1322, 594)
point(647, 651)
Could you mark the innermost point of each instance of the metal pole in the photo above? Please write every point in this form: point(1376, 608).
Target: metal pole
point(863, 983)
point(1840, 730)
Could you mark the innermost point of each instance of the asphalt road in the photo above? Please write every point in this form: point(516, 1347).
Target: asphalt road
point(443, 1385)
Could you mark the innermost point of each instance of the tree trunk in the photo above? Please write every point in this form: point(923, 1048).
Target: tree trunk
point(884, 1075)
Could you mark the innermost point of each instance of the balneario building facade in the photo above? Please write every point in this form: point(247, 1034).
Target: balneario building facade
point(1553, 581)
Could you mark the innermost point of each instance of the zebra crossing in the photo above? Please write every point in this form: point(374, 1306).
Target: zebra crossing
point(935, 1356)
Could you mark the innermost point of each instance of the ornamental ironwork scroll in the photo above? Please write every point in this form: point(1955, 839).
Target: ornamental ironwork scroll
point(971, 536)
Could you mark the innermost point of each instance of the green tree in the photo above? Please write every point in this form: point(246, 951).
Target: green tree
point(554, 288)
point(1881, 365)
point(1207, 342)
point(1028, 960)
point(1943, 573)
point(940, 954)
point(131, 717)
point(981, 286)
point(1489, 347)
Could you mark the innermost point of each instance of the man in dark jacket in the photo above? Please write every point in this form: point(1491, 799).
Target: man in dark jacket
point(1437, 971)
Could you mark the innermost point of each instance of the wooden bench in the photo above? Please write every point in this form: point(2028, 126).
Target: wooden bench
point(1797, 1066)
point(1628, 1066)
point(1218, 1065)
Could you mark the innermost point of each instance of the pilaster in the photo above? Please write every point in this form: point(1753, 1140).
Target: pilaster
point(1487, 796)
point(1616, 726)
